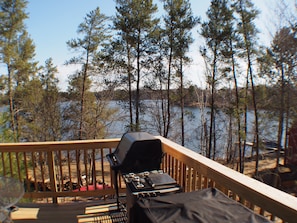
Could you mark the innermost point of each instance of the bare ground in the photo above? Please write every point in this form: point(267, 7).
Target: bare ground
point(284, 178)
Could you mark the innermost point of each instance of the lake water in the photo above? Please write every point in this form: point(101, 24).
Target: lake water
point(192, 126)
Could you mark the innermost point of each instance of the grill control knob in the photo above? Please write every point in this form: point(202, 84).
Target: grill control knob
point(140, 185)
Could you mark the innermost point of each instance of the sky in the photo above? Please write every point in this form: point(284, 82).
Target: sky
point(53, 22)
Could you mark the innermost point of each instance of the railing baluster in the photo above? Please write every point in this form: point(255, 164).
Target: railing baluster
point(212, 183)
point(165, 163)
point(111, 179)
point(205, 182)
point(102, 166)
point(185, 177)
point(199, 181)
point(189, 178)
point(52, 174)
point(273, 217)
point(78, 168)
point(27, 182)
point(86, 168)
point(60, 181)
point(69, 171)
point(41, 185)
point(172, 165)
point(10, 164)
point(93, 162)
point(3, 163)
point(34, 171)
point(262, 211)
point(179, 172)
point(18, 166)
point(169, 165)
point(194, 179)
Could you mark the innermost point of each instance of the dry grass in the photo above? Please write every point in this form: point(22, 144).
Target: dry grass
point(267, 162)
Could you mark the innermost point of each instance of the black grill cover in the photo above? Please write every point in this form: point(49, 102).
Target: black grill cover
point(137, 152)
point(205, 206)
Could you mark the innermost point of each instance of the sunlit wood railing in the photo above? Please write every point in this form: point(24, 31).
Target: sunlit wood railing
point(60, 169)
point(194, 172)
point(51, 170)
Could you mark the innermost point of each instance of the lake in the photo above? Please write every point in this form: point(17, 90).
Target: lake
point(193, 125)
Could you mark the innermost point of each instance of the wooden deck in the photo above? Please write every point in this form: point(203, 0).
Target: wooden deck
point(64, 212)
point(49, 170)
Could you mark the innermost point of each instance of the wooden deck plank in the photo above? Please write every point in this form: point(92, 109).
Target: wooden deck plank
point(25, 213)
point(48, 213)
point(101, 208)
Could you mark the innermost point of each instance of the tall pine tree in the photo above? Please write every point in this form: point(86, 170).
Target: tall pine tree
point(215, 32)
point(17, 53)
point(179, 21)
point(135, 24)
point(247, 14)
point(50, 104)
point(94, 35)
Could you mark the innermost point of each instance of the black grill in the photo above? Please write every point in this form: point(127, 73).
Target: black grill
point(136, 152)
point(138, 158)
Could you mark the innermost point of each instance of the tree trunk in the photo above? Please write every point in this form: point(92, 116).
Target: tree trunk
point(212, 104)
point(130, 88)
point(137, 97)
point(169, 85)
point(245, 121)
point(11, 106)
point(82, 100)
point(182, 103)
point(256, 117)
point(238, 121)
point(281, 118)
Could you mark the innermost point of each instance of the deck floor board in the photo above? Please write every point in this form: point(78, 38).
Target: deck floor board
point(52, 213)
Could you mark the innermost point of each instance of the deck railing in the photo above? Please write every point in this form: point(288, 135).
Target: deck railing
point(79, 168)
point(60, 169)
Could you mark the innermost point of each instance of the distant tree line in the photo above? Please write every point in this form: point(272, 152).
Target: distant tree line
point(190, 96)
point(136, 55)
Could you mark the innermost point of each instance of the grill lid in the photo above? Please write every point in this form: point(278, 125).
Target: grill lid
point(137, 152)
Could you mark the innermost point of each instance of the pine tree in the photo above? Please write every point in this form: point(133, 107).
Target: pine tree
point(215, 32)
point(17, 52)
point(248, 32)
point(50, 104)
point(178, 25)
point(94, 35)
point(283, 56)
point(135, 25)
point(158, 110)
point(230, 72)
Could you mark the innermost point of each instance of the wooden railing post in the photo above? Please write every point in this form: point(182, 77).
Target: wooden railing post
point(52, 173)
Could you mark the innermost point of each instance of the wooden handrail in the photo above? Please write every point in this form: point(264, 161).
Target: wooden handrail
point(58, 145)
